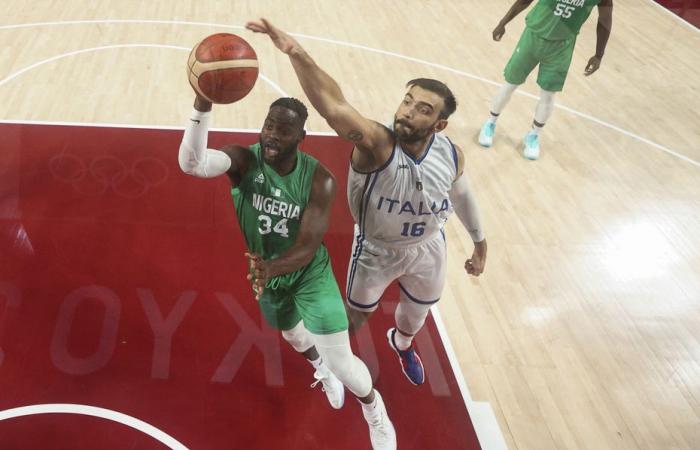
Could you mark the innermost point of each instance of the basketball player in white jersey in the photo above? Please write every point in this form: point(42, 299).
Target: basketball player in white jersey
point(403, 184)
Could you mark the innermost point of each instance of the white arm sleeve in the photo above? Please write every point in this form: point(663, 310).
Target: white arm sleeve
point(194, 157)
point(465, 207)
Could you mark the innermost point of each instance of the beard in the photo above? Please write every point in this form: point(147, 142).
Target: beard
point(273, 152)
point(408, 134)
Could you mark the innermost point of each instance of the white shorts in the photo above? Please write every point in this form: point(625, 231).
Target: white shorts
point(420, 271)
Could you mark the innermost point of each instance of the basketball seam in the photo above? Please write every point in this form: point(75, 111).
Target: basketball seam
point(199, 67)
point(238, 62)
point(214, 42)
point(248, 89)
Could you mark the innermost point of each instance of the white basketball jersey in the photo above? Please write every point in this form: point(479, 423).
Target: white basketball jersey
point(406, 201)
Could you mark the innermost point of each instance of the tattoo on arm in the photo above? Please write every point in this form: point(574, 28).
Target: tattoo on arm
point(355, 136)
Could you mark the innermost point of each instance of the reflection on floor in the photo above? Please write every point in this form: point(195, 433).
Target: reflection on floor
point(122, 286)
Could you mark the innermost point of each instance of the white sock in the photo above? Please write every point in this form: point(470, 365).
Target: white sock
point(492, 118)
point(317, 363)
point(370, 407)
point(410, 317)
point(402, 342)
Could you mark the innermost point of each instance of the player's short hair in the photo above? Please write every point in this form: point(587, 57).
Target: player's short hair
point(295, 105)
point(440, 89)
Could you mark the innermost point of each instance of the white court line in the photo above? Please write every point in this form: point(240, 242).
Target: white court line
point(141, 127)
point(10, 77)
point(678, 18)
point(441, 330)
point(120, 21)
point(114, 416)
point(78, 52)
point(481, 413)
point(634, 136)
point(112, 47)
point(274, 85)
point(667, 150)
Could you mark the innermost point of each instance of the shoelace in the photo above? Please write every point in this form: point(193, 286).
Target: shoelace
point(319, 380)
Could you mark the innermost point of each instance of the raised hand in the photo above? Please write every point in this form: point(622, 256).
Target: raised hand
point(282, 40)
point(201, 104)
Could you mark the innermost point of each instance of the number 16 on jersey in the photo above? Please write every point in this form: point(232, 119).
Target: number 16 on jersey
point(413, 229)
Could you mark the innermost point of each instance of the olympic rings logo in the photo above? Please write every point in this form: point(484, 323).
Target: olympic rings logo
point(104, 173)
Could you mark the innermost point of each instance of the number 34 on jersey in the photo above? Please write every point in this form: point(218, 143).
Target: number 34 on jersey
point(274, 207)
point(266, 226)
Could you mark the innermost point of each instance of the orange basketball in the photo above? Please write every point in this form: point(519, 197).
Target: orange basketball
point(222, 68)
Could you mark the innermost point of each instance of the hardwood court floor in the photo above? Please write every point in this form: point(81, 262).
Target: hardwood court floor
point(582, 333)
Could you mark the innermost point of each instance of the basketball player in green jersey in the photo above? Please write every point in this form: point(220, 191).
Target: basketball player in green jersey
point(548, 40)
point(283, 200)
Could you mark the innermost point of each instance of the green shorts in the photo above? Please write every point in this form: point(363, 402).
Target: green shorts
point(313, 297)
point(554, 58)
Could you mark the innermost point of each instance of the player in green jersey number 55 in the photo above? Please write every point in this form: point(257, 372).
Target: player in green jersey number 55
point(283, 200)
point(548, 40)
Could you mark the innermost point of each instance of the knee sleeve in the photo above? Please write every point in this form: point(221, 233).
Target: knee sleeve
point(544, 107)
point(410, 316)
point(298, 337)
point(337, 355)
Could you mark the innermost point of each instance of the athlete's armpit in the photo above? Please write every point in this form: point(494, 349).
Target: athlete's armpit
point(241, 157)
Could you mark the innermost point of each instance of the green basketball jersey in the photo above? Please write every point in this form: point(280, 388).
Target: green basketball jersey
point(559, 20)
point(269, 207)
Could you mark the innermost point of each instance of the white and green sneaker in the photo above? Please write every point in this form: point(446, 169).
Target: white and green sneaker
point(486, 134)
point(532, 146)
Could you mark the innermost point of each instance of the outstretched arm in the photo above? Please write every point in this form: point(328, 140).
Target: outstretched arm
point(467, 211)
point(603, 30)
point(314, 224)
point(327, 98)
point(197, 160)
point(518, 7)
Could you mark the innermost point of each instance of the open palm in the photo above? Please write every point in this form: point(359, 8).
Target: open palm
point(282, 40)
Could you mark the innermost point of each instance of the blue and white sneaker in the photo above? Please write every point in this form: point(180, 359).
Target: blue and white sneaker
point(411, 365)
point(532, 146)
point(486, 134)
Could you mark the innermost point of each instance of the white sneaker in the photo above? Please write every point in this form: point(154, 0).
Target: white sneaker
point(486, 134)
point(381, 430)
point(532, 146)
point(331, 385)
